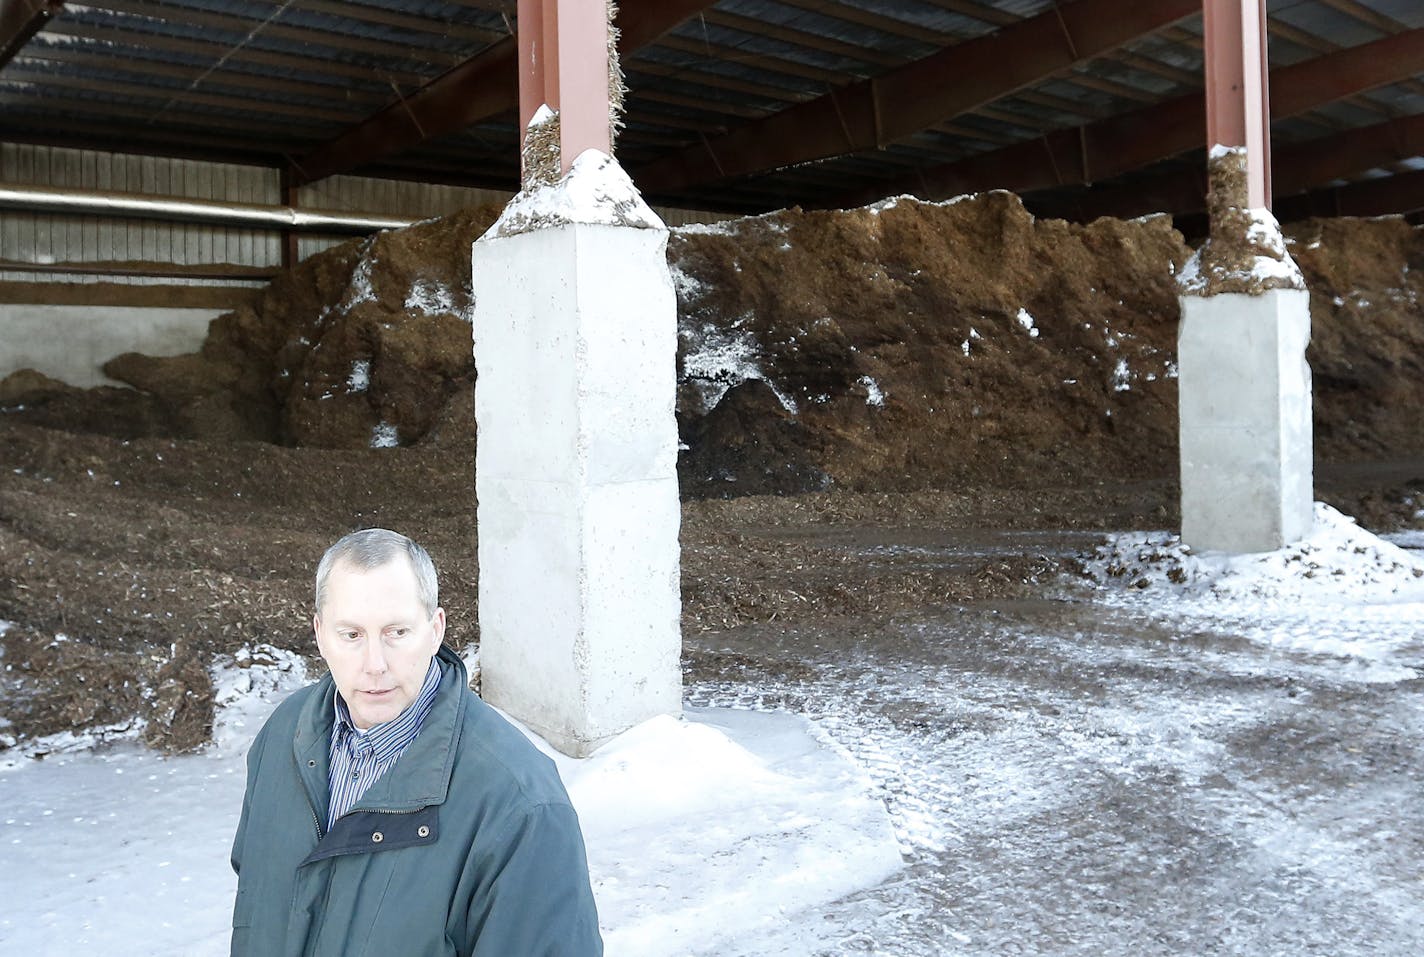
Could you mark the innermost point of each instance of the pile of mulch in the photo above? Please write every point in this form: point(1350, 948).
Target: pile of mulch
point(899, 346)
point(931, 366)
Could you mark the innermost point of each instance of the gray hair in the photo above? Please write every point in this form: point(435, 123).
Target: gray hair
point(373, 547)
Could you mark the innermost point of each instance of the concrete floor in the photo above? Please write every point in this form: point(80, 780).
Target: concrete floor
point(1067, 777)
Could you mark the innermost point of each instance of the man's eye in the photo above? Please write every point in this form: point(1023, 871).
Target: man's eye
point(347, 635)
point(399, 632)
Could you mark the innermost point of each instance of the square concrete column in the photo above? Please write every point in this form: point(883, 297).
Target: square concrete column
point(1244, 403)
point(575, 338)
point(1243, 385)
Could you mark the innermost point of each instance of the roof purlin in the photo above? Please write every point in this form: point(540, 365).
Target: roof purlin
point(902, 101)
point(1110, 147)
point(483, 86)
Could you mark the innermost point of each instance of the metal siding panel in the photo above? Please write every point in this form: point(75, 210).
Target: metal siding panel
point(239, 248)
point(140, 181)
point(24, 171)
point(156, 184)
point(125, 230)
point(208, 235)
point(163, 246)
point(44, 223)
point(9, 221)
point(72, 172)
point(104, 179)
point(89, 178)
point(10, 235)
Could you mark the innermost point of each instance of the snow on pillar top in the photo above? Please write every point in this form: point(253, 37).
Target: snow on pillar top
point(1245, 252)
point(595, 191)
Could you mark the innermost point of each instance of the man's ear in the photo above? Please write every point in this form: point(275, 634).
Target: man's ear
point(316, 625)
point(438, 623)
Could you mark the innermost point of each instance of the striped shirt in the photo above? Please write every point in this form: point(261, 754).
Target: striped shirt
point(359, 758)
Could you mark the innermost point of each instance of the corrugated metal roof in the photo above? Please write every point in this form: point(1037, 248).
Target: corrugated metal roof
point(272, 81)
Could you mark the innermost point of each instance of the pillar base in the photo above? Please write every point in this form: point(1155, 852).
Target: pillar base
point(575, 334)
point(1244, 405)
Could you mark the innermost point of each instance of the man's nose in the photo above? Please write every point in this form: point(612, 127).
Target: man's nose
point(374, 659)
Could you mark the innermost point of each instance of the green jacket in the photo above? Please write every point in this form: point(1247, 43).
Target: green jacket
point(466, 846)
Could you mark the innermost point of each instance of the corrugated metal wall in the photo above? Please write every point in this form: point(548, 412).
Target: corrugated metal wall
point(52, 238)
point(388, 196)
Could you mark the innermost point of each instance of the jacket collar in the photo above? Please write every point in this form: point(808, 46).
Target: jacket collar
point(387, 740)
point(421, 776)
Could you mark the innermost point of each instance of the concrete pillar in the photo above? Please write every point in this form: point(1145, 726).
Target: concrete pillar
point(1243, 385)
point(1244, 402)
point(575, 333)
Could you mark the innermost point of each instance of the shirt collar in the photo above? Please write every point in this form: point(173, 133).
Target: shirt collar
point(390, 738)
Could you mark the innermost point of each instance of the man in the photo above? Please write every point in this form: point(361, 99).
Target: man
point(389, 811)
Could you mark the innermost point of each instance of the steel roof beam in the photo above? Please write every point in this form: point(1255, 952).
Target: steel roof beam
point(1304, 166)
point(1297, 168)
point(1108, 148)
point(483, 86)
point(1400, 194)
point(20, 20)
point(959, 79)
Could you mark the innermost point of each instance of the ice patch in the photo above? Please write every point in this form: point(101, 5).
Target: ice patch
point(1284, 597)
point(247, 685)
point(1412, 539)
point(688, 288)
point(726, 227)
point(430, 298)
point(359, 290)
point(1026, 322)
point(717, 360)
point(1122, 376)
point(384, 436)
point(1338, 562)
point(800, 825)
point(71, 742)
point(873, 395)
point(889, 202)
point(360, 378)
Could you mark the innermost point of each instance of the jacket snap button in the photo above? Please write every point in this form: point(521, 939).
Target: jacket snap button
point(311, 764)
point(378, 837)
point(423, 831)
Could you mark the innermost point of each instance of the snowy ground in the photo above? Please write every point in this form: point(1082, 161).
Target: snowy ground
point(1197, 755)
point(699, 831)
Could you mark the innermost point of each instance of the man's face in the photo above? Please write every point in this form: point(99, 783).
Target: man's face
point(376, 638)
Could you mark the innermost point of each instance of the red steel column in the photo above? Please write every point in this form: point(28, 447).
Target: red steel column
point(1237, 87)
point(563, 62)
